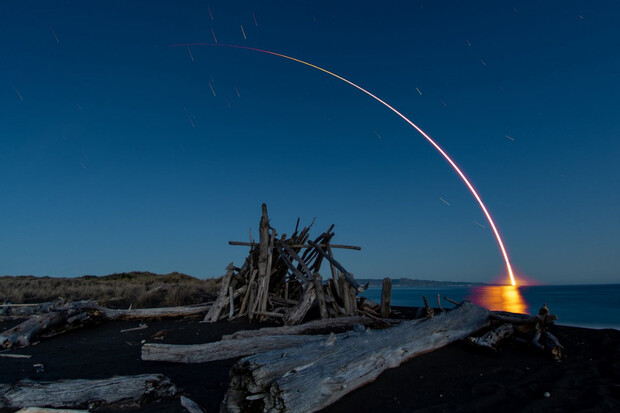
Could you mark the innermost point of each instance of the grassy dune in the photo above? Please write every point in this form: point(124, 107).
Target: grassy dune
point(139, 289)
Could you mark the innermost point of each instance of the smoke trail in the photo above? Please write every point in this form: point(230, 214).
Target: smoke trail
point(416, 127)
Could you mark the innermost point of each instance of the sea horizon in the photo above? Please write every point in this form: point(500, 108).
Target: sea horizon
point(577, 305)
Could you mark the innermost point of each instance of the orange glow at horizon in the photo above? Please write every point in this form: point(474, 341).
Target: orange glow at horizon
point(500, 298)
point(416, 127)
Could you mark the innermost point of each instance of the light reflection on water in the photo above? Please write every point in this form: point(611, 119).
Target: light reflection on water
point(499, 298)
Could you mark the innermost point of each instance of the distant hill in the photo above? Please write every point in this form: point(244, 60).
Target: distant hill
point(408, 282)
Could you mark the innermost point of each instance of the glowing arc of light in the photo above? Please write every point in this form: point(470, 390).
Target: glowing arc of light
point(416, 127)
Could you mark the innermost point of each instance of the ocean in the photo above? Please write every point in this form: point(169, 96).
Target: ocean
point(592, 306)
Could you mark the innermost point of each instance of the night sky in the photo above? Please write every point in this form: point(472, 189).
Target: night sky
point(119, 152)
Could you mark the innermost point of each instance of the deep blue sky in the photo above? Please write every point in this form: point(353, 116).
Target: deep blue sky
point(115, 155)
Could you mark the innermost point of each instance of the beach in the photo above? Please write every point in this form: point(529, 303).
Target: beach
point(456, 378)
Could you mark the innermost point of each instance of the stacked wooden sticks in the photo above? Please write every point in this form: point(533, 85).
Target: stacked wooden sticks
point(280, 279)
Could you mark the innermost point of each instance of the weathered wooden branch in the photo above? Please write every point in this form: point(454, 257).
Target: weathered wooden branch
point(222, 298)
point(531, 330)
point(311, 327)
point(309, 377)
point(254, 244)
point(125, 390)
point(283, 252)
point(296, 314)
point(340, 268)
point(320, 295)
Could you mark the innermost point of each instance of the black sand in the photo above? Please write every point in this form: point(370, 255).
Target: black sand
point(456, 378)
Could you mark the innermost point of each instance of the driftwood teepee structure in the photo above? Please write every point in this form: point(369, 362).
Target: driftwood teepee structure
point(280, 279)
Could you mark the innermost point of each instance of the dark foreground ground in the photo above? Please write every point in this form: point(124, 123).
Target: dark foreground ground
point(453, 379)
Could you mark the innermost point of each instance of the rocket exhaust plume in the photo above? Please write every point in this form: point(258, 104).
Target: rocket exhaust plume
point(416, 127)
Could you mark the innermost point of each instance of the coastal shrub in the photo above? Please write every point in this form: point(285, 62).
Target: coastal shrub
point(138, 289)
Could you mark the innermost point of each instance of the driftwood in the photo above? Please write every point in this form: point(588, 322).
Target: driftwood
point(221, 350)
point(297, 314)
point(492, 338)
point(125, 390)
point(532, 330)
point(256, 244)
point(22, 334)
point(46, 410)
point(336, 264)
point(222, 298)
point(163, 312)
point(280, 279)
point(190, 405)
point(309, 377)
point(311, 327)
point(12, 311)
point(386, 295)
point(68, 316)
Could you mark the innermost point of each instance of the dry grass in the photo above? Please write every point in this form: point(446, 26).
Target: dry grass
point(139, 289)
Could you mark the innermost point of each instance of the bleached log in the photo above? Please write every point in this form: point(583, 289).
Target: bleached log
point(311, 327)
point(163, 312)
point(222, 298)
point(46, 410)
point(296, 314)
point(491, 339)
point(126, 390)
point(221, 350)
point(22, 334)
point(73, 315)
point(310, 377)
point(15, 356)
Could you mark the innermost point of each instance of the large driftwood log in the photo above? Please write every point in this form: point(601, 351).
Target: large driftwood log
point(126, 390)
point(22, 334)
point(63, 317)
point(163, 312)
point(309, 377)
point(311, 327)
point(48, 410)
point(221, 350)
